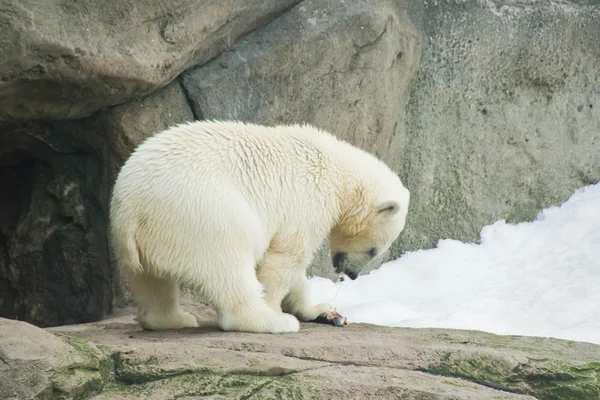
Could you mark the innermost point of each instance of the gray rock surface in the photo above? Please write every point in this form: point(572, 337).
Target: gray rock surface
point(35, 364)
point(69, 59)
point(503, 118)
point(358, 361)
point(343, 66)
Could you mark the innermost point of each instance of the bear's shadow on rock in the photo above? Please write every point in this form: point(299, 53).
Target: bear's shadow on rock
point(125, 320)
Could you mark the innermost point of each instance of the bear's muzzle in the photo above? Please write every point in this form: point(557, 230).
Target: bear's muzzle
point(342, 264)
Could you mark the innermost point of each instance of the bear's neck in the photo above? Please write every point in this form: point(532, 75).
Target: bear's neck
point(354, 185)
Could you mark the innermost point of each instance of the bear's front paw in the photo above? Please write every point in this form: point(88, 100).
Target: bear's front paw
point(332, 318)
point(309, 312)
point(324, 308)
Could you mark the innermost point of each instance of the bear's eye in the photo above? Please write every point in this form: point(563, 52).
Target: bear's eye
point(372, 252)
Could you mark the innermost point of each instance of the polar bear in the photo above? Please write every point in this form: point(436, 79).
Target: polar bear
point(236, 211)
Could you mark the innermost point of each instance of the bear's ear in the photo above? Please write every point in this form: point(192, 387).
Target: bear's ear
point(388, 208)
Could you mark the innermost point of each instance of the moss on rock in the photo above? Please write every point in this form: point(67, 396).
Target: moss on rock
point(81, 379)
point(200, 384)
point(544, 379)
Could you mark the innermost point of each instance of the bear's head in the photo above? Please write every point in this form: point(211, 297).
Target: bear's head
point(371, 221)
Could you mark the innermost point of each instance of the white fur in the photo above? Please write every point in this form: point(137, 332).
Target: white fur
point(237, 212)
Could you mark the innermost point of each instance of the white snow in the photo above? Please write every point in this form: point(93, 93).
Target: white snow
point(539, 278)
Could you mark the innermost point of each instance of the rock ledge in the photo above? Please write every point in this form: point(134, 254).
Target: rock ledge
point(114, 359)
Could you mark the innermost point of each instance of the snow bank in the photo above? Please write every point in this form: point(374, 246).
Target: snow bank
point(540, 278)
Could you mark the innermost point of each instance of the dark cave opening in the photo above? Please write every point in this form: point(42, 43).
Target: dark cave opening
point(54, 267)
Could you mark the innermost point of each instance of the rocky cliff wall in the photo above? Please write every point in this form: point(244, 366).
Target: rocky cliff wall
point(504, 115)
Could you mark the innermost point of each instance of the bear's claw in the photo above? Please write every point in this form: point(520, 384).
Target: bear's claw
point(332, 318)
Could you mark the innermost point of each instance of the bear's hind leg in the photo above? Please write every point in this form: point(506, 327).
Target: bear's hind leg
point(239, 300)
point(158, 302)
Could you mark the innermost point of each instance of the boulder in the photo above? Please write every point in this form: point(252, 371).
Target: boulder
point(36, 364)
point(63, 60)
point(359, 361)
point(343, 66)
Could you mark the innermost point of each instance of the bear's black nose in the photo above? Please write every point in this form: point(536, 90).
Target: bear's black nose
point(351, 273)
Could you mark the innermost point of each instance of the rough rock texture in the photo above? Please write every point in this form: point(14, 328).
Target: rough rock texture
point(503, 118)
point(322, 63)
point(41, 365)
point(73, 58)
point(356, 362)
